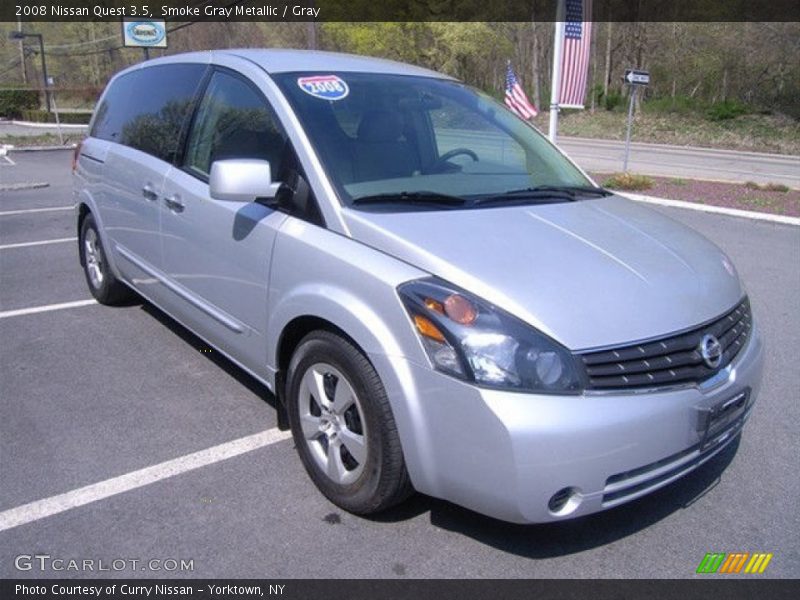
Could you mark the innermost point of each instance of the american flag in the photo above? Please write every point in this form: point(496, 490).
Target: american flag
point(516, 99)
point(575, 57)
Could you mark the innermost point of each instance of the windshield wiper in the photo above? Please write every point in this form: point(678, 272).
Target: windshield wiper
point(410, 198)
point(543, 193)
point(574, 190)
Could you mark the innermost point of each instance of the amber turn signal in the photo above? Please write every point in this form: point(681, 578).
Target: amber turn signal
point(428, 329)
point(434, 305)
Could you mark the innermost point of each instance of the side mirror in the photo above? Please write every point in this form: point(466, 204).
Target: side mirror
point(241, 180)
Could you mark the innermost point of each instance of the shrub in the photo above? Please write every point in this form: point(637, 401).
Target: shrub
point(13, 102)
point(42, 116)
point(729, 109)
point(612, 100)
point(628, 181)
point(767, 187)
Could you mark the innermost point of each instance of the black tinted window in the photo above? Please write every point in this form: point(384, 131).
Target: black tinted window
point(234, 121)
point(147, 109)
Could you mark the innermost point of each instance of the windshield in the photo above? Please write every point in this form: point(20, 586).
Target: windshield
point(390, 139)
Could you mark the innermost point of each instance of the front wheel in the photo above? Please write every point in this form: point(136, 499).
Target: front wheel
point(103, 285)
point(343, 426)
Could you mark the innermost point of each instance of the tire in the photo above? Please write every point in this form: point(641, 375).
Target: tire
point(103, 285)
point(363, 477)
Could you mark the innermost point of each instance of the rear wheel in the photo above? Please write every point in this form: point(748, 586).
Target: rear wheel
point(343, 426)
point(103, 285)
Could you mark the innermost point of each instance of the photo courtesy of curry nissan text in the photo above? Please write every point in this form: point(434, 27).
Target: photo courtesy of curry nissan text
point(440, 299)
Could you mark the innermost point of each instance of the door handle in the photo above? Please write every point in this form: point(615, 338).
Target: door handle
point(149, 193)
point(174, 203)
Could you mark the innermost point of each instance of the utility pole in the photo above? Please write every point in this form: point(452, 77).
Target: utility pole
point(312, 35)
point(311, 28)
point(19, 35)
point(22, 53)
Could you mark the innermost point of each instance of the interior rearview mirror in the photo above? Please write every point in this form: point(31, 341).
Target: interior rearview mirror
point(241, 180)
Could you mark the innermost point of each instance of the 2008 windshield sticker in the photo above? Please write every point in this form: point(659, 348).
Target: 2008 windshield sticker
point(326, 87)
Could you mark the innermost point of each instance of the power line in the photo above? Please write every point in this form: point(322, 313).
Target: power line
point(15, 62)
point(11, 67)
point(49, 47)
point(121, 46)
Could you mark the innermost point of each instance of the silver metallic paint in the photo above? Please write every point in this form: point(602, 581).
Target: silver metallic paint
point(590, 274)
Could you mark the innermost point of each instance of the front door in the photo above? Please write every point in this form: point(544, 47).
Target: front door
point(217, 253)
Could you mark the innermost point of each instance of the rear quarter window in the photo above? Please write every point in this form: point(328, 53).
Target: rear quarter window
point(147, 109)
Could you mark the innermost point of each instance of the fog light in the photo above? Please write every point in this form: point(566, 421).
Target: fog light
point(564, 501)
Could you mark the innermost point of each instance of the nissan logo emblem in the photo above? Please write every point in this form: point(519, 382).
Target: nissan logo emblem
point(711, 351)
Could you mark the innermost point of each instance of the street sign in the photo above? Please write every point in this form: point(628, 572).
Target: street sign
point(636, 77)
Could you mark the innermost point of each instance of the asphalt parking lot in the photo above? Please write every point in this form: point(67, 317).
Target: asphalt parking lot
point(90, 394)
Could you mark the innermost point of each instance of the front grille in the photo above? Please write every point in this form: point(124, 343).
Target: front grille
point(670, 360)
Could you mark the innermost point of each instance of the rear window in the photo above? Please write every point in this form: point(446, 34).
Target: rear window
point(147, 109)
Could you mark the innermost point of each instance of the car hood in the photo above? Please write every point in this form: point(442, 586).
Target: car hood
point(591, 273)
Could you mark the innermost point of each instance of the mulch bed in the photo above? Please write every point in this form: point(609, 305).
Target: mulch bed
point(728, 195)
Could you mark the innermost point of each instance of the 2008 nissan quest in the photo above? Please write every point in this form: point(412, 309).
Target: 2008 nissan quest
point(440, 299)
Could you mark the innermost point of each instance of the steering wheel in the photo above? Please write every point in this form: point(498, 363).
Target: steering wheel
point(441, 162)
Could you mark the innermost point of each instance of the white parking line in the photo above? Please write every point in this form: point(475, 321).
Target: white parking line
point(39, 243)
point(4, 213)
point(33, 511)
point(45, 308)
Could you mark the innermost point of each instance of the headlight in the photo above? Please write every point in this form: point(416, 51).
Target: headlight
point(469, 338)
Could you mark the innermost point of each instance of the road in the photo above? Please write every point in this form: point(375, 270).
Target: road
point(607, 156)
point(90, 394)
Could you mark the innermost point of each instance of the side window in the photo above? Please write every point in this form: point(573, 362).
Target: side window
point(113, 110)
point(234, 121)
point(147, 109)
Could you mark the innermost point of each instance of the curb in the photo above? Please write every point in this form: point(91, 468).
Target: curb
point(731, 212)
point(42, 148)
point(49, 125)
point(676, 147)
point(15, 187)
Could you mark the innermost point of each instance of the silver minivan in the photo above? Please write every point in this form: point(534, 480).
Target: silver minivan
point(440, 300)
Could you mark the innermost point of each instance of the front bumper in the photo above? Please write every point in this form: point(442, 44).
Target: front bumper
point(506, 454)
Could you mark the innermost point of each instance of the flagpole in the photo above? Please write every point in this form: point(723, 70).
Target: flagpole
point(558, 46)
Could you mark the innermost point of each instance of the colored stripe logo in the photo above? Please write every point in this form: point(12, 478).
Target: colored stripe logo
point(735, 562)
